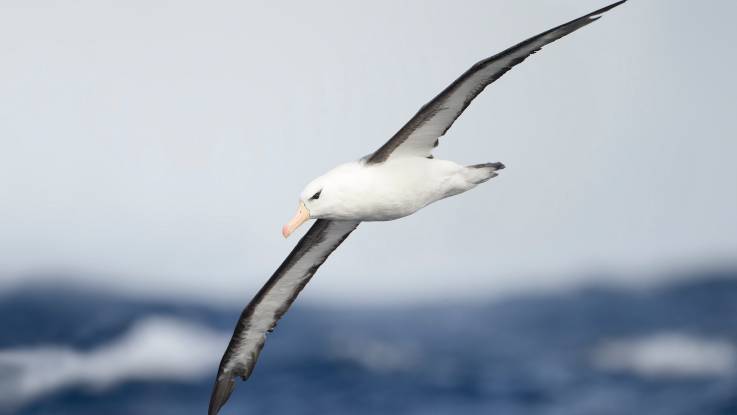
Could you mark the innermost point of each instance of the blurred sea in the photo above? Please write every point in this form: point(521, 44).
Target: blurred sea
point(668, 349)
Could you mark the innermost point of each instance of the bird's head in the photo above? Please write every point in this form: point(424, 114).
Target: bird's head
point(323, 197)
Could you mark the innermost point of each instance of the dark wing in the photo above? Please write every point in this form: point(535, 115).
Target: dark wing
point(272, 301)
point(420, 135)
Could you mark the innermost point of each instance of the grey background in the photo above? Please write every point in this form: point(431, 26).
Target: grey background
point(158, 147)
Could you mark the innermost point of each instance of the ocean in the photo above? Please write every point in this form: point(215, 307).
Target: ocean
point(667, 349)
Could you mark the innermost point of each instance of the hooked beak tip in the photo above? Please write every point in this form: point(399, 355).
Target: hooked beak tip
point(302, 215)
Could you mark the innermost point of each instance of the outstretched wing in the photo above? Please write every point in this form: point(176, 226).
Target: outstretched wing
point(420, 135)
point(272, 301)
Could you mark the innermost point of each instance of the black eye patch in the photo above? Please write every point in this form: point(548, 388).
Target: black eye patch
point(316, 195)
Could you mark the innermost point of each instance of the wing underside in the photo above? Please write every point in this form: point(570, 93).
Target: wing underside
point(272, 301)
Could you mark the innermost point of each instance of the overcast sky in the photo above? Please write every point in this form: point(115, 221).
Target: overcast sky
point(159, 146)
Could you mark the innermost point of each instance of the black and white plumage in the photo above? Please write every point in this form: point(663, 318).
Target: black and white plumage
point(420, 135)
point(273, 300)
point(398, 179)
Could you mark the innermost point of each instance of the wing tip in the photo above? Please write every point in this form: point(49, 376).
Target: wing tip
point(221, 392)
point(595, 15)
point(582, 21)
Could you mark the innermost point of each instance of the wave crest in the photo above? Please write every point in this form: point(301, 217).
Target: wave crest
point(668, 355)
point(155, 348)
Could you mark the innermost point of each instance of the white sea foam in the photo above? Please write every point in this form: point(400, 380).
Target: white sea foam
point(156, 348)
point(670, 355)
point(375, 355)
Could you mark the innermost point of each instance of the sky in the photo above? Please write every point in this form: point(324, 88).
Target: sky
point(158, 147)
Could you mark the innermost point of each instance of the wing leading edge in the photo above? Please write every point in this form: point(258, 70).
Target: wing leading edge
point(272, 301)
point(421, 133)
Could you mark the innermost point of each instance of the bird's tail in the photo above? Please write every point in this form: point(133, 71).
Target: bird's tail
point(479, 173)
point(224, 386)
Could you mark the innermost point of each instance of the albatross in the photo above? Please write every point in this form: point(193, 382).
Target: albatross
point(394, 181)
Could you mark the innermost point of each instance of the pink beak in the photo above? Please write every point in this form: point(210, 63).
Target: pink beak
point(301, 217)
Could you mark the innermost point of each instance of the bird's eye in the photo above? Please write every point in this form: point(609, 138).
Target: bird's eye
point(316, 195)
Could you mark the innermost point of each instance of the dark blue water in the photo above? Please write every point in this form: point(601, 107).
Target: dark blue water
point(523, 355)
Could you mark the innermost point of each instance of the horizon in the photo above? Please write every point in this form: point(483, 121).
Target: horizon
point(76, 282)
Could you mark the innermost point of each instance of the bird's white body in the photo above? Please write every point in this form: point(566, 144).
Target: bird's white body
point(390, 190)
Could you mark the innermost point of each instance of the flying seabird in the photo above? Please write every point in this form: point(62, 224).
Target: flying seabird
point(396, 180)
